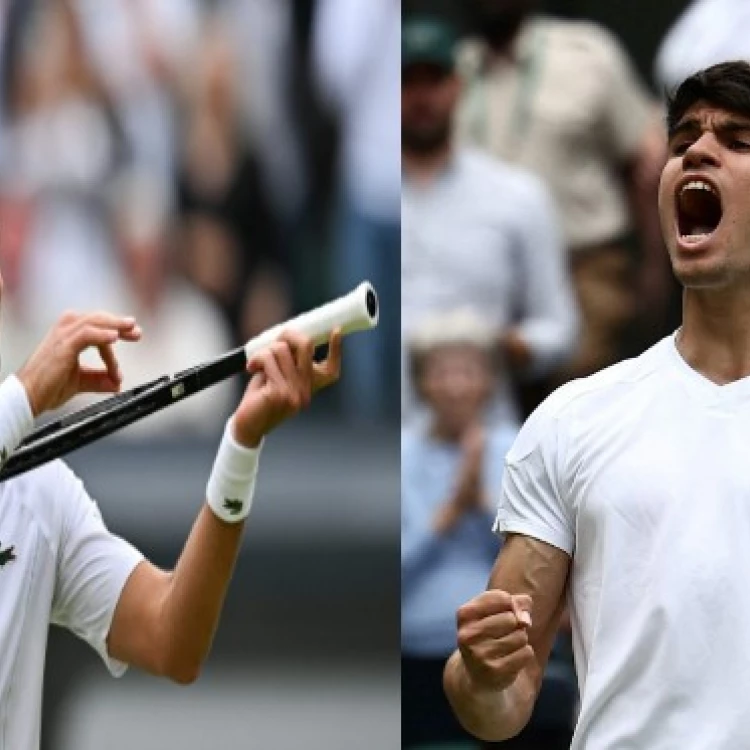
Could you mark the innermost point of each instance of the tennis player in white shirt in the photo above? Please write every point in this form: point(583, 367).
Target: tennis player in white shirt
point(60, 564)
point(629, 492)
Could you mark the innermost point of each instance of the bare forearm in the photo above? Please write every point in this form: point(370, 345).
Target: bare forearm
point(492, 716)
point(165, 622)
point(197, 589)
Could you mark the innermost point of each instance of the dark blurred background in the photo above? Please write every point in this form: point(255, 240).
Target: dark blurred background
point(191, 162)
point(640, 24)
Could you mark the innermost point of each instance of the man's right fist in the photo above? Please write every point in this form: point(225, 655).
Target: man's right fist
point(493, 637)
point(53, 374)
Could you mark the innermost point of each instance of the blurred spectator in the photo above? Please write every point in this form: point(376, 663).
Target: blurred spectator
point(259, 33)
point(450, 469)
point(141, 49)
point(62, 150)
point(707, 32)
point(561, 98)
point(356, 60)
point(182, 327)
point(476, 232)
point(232, 243)
point(91, 228)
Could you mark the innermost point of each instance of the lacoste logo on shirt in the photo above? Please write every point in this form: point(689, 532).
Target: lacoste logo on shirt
point(7, 555)
point(233, 506)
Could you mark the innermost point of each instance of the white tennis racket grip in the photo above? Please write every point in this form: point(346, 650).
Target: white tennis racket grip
point(356, 311)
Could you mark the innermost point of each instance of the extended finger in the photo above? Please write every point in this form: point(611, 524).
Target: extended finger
point(126, 327)
point(86, 336)
point(107, 353)
point(327, 372)
point(133, 334)
point(100, 319)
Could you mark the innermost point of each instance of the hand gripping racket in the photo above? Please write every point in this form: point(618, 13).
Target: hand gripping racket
point(356, 311)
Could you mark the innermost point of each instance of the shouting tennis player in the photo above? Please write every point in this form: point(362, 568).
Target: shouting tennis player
point(630, 492)
point(58, 562)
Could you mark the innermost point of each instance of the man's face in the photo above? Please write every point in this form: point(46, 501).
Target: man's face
point(456, 382)
point(428, 98)
point(704, 197)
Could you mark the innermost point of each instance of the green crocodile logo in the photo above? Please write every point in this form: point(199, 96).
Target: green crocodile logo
point(7, 555)
point(234, 506)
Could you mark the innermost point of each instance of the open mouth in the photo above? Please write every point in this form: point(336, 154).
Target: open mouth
point(699, 210)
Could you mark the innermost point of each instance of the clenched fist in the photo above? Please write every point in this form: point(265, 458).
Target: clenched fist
point(53, 374)
point(285, 376)
point(493, 638)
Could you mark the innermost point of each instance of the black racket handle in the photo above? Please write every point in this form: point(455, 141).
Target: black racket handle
point(83, 427)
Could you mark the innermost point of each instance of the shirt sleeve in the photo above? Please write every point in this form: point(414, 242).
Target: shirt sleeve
point(548, 310)
point(93, 566)
point(493, 469)
point(532, 501)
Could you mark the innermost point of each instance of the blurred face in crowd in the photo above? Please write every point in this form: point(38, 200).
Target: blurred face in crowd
point(703, 197)
point(456, 382)
point(498, 21)
point(429, 94)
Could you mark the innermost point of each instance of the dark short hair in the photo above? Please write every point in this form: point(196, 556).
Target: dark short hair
point(725, 85)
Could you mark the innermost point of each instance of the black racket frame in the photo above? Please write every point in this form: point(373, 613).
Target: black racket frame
point(76, 430)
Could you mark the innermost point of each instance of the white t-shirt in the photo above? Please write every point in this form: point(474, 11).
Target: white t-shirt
point(462, 247)
point(640, 473)
point(59, 564)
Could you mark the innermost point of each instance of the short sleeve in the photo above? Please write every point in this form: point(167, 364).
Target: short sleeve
point(501, 442)
point(532, 502)
point(93, 566)
point(629, 110)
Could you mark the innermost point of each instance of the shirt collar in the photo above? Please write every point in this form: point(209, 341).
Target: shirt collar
point(448, 171)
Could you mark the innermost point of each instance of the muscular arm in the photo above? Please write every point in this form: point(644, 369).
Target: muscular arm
point(524, 566)
point(165, 622)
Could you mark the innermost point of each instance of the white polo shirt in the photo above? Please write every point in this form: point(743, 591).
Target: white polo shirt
point(59, 564)
point(485, 235)
point(641, 474)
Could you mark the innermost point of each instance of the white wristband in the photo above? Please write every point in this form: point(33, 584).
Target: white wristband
point(16, 417)
point(230, 488)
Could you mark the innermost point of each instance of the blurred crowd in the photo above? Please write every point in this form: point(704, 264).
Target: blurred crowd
point(209, 166)
point(531, 255)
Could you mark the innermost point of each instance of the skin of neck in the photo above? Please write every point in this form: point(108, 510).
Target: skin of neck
point(424, 167)
point(715, 334)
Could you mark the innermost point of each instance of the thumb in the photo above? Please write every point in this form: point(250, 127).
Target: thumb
point(522, 605)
